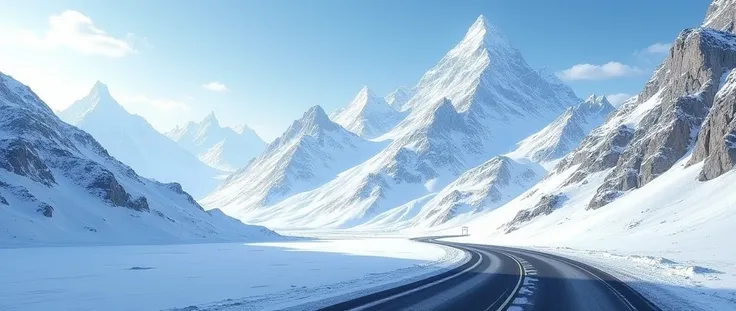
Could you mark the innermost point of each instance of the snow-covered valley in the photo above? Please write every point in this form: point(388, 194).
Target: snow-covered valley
point(212, 276)
point(99, 210)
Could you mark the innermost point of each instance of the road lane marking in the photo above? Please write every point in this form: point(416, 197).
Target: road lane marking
point(516, 288)
point(377, 302)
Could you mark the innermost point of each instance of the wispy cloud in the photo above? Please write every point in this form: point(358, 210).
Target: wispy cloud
point(598, 72)
point(215, 86)
point(654, 49)
point(161, 104)
point(618, 98)
point(75, 31)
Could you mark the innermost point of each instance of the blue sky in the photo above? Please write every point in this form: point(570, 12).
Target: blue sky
point(272, 60)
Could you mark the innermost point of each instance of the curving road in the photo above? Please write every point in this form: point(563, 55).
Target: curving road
point(502, 278)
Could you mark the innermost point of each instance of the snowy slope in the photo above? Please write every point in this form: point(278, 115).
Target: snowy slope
point(312, 151)
point(399, 97)
point(131, 139)
point(485, 187)
point(59, 186)
point(368, 115)
point(502, 178)
point(564, 133)
point(480, 100)
point(220, 147)
point(654, 181)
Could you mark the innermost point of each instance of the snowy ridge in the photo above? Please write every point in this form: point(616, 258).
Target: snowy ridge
point(219, 147)
point(131, 139)
point(368, 115)
point(312, 151)
point(59, 186)
point(480, 100)
point(399, 97)
point(482, 188)
point(653, 175)
point(564, 133)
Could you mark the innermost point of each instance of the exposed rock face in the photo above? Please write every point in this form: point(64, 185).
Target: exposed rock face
point(46, 210)
point(110, 189)
point(546, 205)
point(717, 138)
point(3, 200)
point(20, 158)
point(721, 15)
point(655, 129)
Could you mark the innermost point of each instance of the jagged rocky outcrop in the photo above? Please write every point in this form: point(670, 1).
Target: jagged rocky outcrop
point(721, 15)
point(653, 130)
point(546, 205)
point(716, 144)
point(19, 157)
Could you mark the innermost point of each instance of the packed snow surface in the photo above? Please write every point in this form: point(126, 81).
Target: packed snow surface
point(257, 276)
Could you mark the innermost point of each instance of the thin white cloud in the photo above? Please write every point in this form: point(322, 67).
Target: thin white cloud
point(161, 104)
point(215, 86)
point(76, 31)
point(598, 72)
point(655, 49)
point(618, 98)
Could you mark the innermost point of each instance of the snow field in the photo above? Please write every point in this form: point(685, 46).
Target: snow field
point(214, 276)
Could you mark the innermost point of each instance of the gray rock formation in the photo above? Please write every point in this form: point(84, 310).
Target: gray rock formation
point(717, 138)
point(546, 205)
point(45, 210)
point(656, 128)
point(721, 15)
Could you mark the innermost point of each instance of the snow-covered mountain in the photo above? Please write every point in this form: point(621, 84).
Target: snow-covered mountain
point(502, 178)
point(480, 100)
point(655, 173)
point(398, 98)
point(132, 140)
point(59, 186)
point(220, 147)
point(312, 151)
point(368, 115)
point(564, 133)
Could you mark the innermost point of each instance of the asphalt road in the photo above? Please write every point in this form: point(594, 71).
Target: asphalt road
point(502, 278)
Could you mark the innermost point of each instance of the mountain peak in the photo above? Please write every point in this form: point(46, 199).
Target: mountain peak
point(210, 118)
point(99, 86)
point(315, 115)
point(486, 34)
point(100, 90)
point(365, 90)
point(594, 100)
